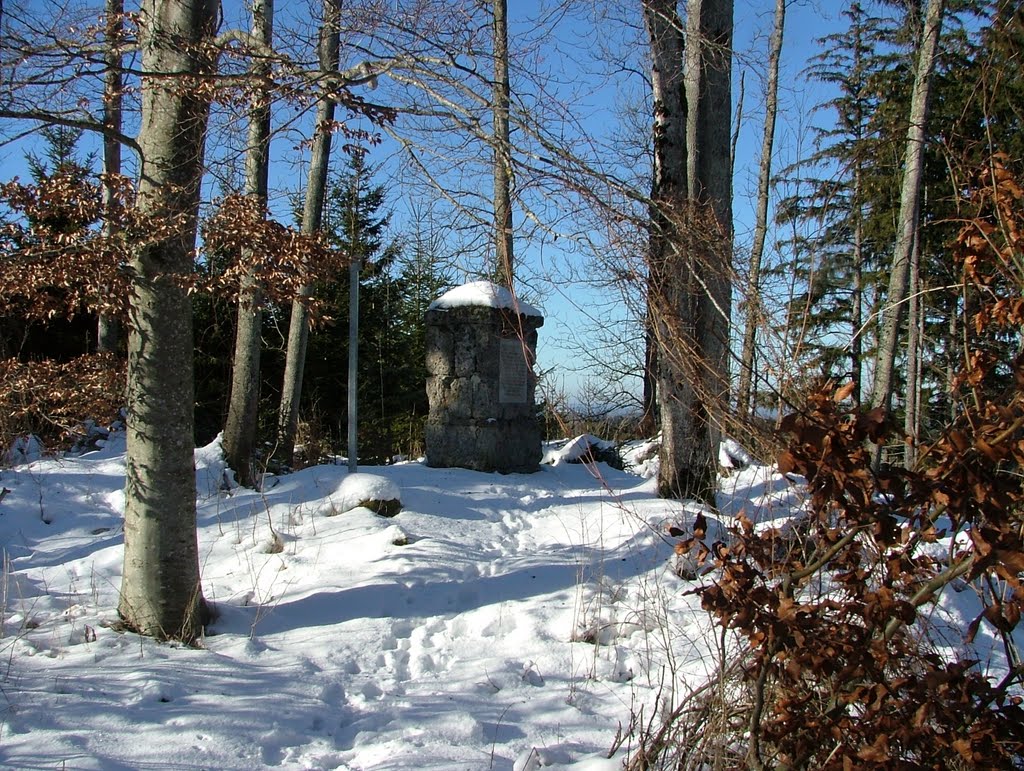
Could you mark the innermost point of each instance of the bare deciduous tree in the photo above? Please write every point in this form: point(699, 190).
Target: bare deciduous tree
point(312, 215)
point(754, 313)
point(242, 419)
point(690, 251)
point(907, 222)
point(503, 246)
point(161, 594)
point(108, 333)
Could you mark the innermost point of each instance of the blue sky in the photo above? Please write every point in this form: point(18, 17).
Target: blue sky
point(576, 313)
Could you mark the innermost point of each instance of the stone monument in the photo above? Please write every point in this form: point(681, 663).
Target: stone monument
point(481, 347)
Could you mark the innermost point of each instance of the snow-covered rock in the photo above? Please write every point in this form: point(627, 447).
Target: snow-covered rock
point(732, 455)
point(585, 448)
point(24, 449)
point(379, 494)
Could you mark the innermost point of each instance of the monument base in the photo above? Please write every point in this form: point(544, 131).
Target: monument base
point(502, 446)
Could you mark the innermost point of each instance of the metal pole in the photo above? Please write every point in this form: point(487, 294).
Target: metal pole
point(353, 359)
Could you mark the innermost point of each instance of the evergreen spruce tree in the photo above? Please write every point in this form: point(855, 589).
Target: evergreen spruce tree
point(844, 213)
point(57, 338)
point(845, 191)
point(391, 374)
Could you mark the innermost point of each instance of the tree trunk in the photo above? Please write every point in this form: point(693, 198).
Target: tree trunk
point(161, 594)
point(747, 386)
point(912, 407)
point(857, 296)
point(108, 329)
point(504, 255)
point(649, 420)
point(690, 232)
point(243, 407)
point(353, 363)
point(908, 215)
point(668, 185)
point(312, 215)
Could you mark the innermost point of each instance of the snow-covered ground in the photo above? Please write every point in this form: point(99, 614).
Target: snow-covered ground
point(451, 636)
point(506, 622)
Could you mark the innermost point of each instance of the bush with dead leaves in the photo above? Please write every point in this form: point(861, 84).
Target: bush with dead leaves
point(845, 660)
point(53, 400)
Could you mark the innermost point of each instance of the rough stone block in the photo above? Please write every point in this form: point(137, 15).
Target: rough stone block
point(482, 389)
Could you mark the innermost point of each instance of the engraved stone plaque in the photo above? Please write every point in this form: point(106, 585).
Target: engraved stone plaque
point(512, 372)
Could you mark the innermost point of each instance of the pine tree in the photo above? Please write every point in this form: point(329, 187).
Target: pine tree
point(61, 161)
point(846, 211)
point(354, 222)
point(841, 210)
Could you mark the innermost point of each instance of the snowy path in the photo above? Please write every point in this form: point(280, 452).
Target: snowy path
point(441, 639)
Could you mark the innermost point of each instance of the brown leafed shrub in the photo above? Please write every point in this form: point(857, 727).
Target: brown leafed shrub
point(55, 259)
point(843, 666)
point(52, 399)
point(280, 259)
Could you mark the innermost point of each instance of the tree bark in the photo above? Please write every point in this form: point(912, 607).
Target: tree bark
point(690, 233)
point(747, 386)
point(108, 328)
point(243, 408)
point(857, 296)
point(857, 214)
point(912, 409)
point(907, 223)
point(312, 216)
point(503, 246)
point(161, 594)
point(668, 184)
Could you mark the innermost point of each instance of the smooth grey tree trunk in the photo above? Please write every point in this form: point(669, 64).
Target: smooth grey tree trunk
point(353, 363)
point(108, 328)
point(161, 594)
point(907, 223)
point(857, 297)
point(747, 386)
point(312, 216)
point(243, 407)
point(668, 184)
point(503, 244)
point(912, 407)
point(691, 237)
point(354, 271)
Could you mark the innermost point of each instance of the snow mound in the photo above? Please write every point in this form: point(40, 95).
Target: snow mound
point(641, 458)
point(374, 492)
point(485, 294)
point(213, 476)
point(585, 448)
point(24, 449)
point(732, 455)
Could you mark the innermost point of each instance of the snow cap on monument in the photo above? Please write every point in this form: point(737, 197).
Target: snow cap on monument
point(485, 294)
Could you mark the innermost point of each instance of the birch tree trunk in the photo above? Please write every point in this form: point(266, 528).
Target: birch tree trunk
point(907, 223)
point(243, 407)
point(747, 385)
point(503, 248)
point(161, 594)
point(312, 216)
